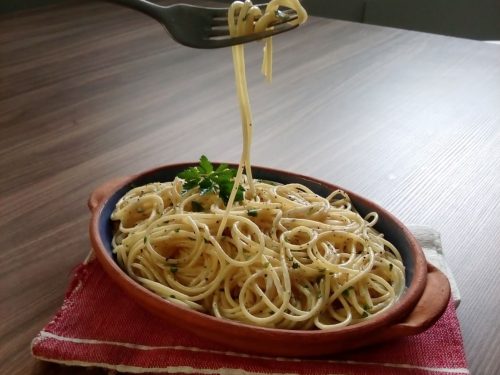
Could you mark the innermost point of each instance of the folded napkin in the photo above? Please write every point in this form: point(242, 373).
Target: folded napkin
point(98, 325)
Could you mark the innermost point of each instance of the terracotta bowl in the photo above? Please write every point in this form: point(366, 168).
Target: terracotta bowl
point(423, 302)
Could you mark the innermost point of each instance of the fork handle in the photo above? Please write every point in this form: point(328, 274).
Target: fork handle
point(143, 6)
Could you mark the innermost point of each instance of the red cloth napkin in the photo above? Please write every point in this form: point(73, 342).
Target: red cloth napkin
point(98, 325)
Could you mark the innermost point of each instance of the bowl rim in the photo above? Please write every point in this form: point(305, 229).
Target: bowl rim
point(394, 314)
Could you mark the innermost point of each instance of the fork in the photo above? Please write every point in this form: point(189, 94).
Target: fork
point(202, 27)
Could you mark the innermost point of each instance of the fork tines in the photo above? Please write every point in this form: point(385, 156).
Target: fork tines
point(220, 18)
point(219, 27)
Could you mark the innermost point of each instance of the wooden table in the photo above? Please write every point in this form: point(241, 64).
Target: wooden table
point(93, 91)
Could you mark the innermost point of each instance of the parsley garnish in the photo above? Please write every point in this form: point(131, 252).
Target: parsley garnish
point(295, 265)
point(209, 180)
point(173, 269)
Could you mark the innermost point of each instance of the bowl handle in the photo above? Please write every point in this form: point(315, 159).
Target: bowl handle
point(429, 308)
point(103, 191)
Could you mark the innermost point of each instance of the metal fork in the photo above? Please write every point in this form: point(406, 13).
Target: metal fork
point(202, 27)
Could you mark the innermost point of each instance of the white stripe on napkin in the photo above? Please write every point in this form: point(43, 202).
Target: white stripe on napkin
point(47, 335)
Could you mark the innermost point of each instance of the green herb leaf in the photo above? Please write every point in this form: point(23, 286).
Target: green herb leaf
point(188, 185)
point(295, 265)
point(207, 186)
point(219, 181)
point(205, 165)
point(239, 194)
point(225, 188)
point(252, 213)
point(221, 168)
point(191, 173)
point(174, 269)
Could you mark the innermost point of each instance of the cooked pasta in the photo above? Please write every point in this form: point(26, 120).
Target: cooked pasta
point(279, 256)
point(287, 258)
point(245, 18)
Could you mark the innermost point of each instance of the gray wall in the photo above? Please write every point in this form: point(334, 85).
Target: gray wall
point(475, 19)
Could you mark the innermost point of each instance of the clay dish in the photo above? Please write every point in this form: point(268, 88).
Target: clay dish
point(423, 302)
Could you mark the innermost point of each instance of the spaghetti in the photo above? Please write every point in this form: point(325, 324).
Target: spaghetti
point(287, 257)
point(283, 257)
point(245, 18)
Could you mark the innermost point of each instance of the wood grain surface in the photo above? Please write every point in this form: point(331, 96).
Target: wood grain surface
point(91, 91)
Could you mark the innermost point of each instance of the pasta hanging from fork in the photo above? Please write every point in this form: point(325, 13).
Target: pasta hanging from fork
point(245, 18)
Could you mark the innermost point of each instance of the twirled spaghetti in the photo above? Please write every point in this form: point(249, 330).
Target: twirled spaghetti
point(287, 258)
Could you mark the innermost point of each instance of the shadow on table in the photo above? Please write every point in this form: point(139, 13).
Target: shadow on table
point(48, 368)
